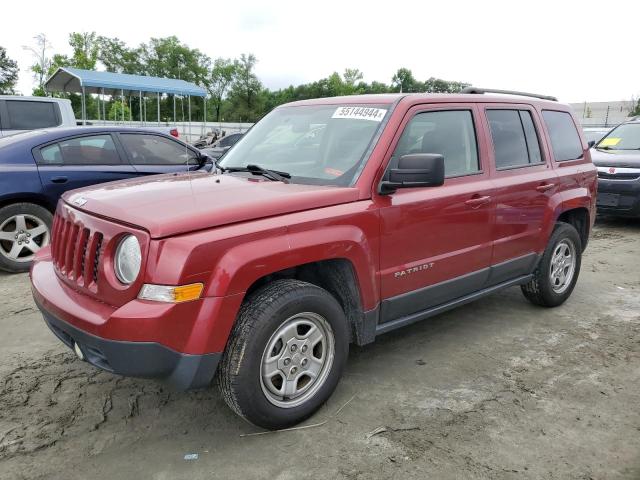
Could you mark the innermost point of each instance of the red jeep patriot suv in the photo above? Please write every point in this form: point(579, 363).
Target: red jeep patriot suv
point(332, 221)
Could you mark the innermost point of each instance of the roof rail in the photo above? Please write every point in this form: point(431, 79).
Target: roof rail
point(507, 92)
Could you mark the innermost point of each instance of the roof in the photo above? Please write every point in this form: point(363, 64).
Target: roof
point(34, 138)
point(67, 79)
point(390, 98)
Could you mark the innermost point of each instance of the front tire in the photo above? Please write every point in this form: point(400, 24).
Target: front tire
point(285, 355)
point(557, 273)
point(24, 229)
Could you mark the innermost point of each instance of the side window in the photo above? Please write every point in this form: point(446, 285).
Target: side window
point(51, 155)
point(28, 115)
point(515, 141)
point(155, 150)
point(91, 150)
point(230, 140)
point(449, 133)
point(565, 140)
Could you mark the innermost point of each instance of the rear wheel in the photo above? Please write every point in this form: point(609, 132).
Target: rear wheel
point(24, 229)
point(285, 355)
point(557, 273)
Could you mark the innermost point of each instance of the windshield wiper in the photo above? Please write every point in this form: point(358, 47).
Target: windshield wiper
point(258, 170)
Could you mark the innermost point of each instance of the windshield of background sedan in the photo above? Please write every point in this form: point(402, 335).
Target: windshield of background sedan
point(623, 137)
point(317, 144)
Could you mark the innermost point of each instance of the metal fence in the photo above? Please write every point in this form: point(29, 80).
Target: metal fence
point(189, 131)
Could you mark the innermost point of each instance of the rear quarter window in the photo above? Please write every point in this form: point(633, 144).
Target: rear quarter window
point(565, 141)
point(29, 115)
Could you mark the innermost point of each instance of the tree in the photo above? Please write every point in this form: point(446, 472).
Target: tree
point(42, 63)
point(437, 85)
point(116, 111)
point(636, 110)
point(404, 81)
point(114, 54)
point(8, 73)
point(220, 80)
point(85, 50)
point(245, 91)
point(170, 58)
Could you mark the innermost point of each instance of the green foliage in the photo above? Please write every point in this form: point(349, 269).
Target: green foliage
point(219, 82)
point(116, 111)
point(636, 110)
point(8, 73)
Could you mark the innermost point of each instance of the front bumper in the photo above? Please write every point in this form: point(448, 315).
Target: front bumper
point(177, 343)
point(625, 196)
point(137, 359)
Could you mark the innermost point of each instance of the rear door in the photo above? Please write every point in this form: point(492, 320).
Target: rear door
point(150, 153)
point(80, 161)
point(436, 241)
point(525, 181)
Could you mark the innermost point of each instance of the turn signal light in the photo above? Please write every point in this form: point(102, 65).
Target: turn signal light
point(170, 294)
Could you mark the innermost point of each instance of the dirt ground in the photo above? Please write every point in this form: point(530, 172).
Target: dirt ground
point(496, 389)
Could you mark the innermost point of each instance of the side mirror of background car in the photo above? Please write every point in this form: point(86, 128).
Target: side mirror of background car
point(591, 143)
point(415, 170)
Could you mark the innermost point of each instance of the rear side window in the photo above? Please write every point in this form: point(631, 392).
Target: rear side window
point(91, 150)
point(565, 140)
point(515, 141)
point(449, 133)
point(28, 115)
point(155, 150)
point(230, 140)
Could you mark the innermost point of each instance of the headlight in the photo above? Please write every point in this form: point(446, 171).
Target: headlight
point(128, 259)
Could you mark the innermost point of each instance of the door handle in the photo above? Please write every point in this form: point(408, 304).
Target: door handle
point(59, 179)
point(477, 202)
point(545, 187)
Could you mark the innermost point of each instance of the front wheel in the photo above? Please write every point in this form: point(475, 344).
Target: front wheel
point(285, 355)
point(24, 229)
point(557, 273)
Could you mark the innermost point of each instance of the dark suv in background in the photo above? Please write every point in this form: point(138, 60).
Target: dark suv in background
point(617, 157)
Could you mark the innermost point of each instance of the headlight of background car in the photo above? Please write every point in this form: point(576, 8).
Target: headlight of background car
point(128, 259)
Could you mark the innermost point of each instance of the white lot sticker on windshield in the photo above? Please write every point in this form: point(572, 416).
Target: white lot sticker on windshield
point(360, 113)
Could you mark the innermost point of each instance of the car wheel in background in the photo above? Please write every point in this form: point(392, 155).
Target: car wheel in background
point(285, 355)
point(24, 229)
point(557, 272)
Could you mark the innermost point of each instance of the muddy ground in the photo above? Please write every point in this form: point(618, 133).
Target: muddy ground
point(496, 389)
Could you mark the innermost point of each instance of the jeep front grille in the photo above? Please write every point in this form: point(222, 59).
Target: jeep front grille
point(76, 251)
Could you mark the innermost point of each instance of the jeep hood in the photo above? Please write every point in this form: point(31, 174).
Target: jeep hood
point(615, 158)
point(170, 204)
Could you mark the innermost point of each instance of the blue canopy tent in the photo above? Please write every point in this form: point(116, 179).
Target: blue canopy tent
point(76, 80)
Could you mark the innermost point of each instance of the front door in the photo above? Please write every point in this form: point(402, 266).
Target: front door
point(436, 242)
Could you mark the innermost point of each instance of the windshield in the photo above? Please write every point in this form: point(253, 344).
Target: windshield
point(623, 137)
point(318, 144)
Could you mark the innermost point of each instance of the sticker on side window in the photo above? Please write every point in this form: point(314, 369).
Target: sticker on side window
point(609, 142)
point(360, 113)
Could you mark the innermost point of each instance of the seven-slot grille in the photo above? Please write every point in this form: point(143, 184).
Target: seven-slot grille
point(76, 251)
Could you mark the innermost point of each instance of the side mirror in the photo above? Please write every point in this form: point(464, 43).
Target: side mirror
point(415, 170)
point(591, 143)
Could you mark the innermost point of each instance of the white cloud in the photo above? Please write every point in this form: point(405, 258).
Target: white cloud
point(576, 50)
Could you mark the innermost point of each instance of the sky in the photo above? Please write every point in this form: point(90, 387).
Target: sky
point(576, 50)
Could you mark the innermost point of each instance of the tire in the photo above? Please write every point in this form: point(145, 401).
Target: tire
point(550, 291)
point(24, 229)
point(258, 347)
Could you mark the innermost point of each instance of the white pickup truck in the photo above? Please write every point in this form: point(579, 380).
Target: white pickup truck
point(20, 114)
